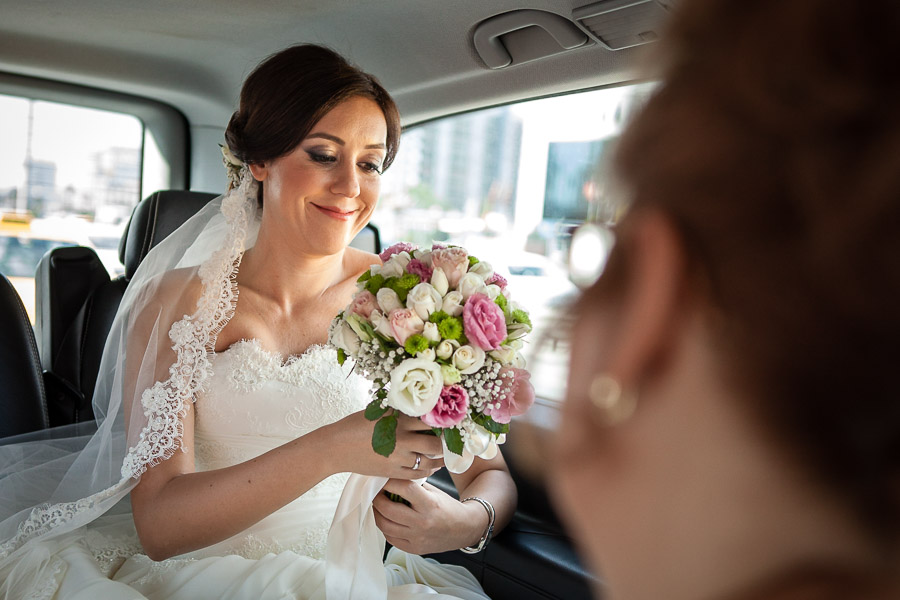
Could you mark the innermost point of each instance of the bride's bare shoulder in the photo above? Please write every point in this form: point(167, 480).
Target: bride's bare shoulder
point(360, 260)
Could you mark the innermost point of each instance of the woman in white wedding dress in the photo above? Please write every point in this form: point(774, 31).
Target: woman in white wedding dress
point(229, 421)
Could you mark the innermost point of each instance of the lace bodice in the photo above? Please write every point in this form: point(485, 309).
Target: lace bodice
point(257, 401)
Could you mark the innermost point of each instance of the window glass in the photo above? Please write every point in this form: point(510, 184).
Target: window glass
point(68, 176)
point(511, 184)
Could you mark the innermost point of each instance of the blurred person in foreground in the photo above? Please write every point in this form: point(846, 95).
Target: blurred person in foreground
point(732, 428)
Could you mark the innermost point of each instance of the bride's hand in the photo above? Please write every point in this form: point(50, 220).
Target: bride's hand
point(434, 521)
point(354, 453)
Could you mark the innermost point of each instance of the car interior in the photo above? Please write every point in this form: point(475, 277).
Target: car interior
point(176, 70)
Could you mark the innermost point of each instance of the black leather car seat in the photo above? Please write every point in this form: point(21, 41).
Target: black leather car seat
point(76, 301)
point(22, 395)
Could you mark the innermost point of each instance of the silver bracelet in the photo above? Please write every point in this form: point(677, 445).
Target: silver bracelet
point(486, 537)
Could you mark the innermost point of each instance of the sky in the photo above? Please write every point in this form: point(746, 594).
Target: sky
point(66, 135)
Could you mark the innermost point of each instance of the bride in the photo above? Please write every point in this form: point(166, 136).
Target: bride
point(229, 421)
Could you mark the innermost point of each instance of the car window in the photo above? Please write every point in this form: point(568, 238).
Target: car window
point(511, 184)
point(71, 176)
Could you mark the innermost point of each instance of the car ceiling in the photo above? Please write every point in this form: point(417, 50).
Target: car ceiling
point(194, 55)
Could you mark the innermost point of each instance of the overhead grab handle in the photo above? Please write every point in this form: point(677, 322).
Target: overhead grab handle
point(531, 44)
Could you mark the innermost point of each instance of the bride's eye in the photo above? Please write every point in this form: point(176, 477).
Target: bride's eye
point(321, 158)
point(370, 167)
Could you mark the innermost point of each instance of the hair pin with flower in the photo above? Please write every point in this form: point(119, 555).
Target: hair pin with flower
point(234, 167)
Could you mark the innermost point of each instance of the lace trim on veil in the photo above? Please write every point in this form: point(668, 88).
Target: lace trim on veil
point(194, 337)
point(166, 403)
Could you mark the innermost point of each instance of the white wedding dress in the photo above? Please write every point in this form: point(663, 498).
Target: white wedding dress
point(255, 402)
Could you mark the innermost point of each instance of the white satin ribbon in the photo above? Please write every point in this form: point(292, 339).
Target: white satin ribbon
point(354, 567)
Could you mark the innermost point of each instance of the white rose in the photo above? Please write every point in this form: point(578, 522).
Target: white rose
point(482, 268)
point(453, 303)
point(492, 291)
point(439, 281)
point(382, 324)
point(424, 256)
point(402, 258)
point(471, 283)
point(431, 332)
point(427, 354)
point(518, 361)
point(393, 267)
point(516, 330)
point(504, 355)
point(416, 385)
point(345, 338)
point(424, 299)
point(468, 359)
point(480, 442)
point(446, 349)
point(388, 300)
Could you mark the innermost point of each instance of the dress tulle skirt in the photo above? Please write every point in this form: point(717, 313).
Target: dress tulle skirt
point(71, 572)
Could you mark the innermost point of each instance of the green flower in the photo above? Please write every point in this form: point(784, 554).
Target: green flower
point(450, 328)
point(402, 284)
point(366, 275)
point(473, 261)
point(520, 316)
point(375, 283)
point(438, 316)
point(415, 343)
point(502, 302)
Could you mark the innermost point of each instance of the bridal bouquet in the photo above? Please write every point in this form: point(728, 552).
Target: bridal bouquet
point(436, 333)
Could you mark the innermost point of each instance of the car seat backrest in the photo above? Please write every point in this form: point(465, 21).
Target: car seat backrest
point(22, 398)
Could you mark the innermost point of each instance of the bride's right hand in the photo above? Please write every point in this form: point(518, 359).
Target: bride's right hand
point(352, 442)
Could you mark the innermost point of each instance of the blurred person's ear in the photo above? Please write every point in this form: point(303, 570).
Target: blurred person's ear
point(259, 171)
point(653, 300)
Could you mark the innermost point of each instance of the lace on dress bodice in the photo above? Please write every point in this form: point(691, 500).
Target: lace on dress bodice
point(257, 401)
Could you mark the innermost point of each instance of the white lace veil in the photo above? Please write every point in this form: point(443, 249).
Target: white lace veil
point(154, 362)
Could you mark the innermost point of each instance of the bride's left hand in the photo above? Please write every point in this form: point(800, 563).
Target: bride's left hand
point(434, 521)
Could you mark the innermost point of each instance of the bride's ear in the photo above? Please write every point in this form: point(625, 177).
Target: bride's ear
point(259, 171)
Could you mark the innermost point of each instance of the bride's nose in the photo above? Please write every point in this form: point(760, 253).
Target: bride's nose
point(346, 181)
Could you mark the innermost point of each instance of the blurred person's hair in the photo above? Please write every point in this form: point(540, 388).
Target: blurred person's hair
point(773, 146)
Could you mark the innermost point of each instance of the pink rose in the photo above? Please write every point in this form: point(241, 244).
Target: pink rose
point(483, 322)
point(451, 408)
point(454, 262)
point(417, 267)
point(404, 323)
point(516, 395)
point(498, 280)
point(396, 249)
point(364, 303)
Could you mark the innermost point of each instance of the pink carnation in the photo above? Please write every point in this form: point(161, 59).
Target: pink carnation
point(516, 396)
point(451, 408)
point(363, 304)
point(417, 267)
point(483, 322)
point(396, 249)
point(498, 280)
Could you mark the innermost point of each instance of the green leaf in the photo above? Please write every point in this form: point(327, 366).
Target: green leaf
point(491, 425)
point(384, 437)
point(374, 410)
point(473, 261)
point(366, 275)
point(342, 356)
point(453, 440)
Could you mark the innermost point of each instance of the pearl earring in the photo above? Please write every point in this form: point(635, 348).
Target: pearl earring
point(614, 406)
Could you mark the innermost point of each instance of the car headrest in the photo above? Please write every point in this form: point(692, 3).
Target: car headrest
point(155, 217)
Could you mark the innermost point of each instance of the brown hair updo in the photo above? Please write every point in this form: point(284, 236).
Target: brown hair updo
point(291, 91)
point(773, 145)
